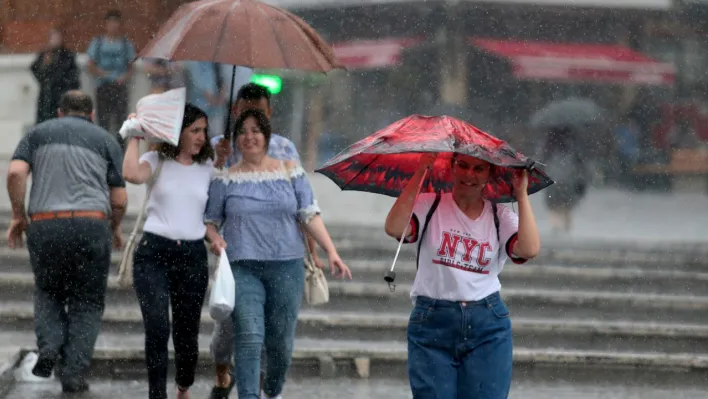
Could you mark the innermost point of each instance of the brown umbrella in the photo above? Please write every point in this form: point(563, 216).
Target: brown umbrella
point(241, 32)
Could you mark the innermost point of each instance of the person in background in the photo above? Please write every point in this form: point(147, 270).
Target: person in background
point(563, 154)
point(56, 72)
point(253, 200)
point(164, 75)
point(459, 331)
point(76, 205)
point(111, 58)
point(242, 77)
point(254, 96)
point(205, 90)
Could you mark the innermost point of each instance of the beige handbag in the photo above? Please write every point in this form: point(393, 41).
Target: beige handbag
point(316, 287)
point(125, 271)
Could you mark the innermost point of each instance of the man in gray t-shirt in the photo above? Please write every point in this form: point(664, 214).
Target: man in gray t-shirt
point(76, 205)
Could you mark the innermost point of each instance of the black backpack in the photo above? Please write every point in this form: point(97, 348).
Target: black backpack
point(430, 215)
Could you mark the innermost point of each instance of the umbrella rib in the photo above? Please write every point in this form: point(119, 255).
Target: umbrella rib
point(361, 171)
point(249, 42)
point(217, 45)
point(277, 41)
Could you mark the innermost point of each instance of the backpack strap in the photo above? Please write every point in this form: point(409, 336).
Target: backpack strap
point(99, 44)
point(126, 46)
point(496, 222)
point(425, 225)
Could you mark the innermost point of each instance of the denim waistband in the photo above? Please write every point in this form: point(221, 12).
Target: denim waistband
point(442, 303)
point(160, 240)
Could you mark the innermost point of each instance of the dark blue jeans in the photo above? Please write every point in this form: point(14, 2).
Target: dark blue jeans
point(70, 260)
point(268, 298)
point(166, 274)
point(460, 350)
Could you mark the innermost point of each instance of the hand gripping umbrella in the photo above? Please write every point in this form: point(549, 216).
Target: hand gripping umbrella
point(385, 161)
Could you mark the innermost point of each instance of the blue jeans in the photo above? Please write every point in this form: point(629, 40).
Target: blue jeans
point(268, 298)
point(460, 350)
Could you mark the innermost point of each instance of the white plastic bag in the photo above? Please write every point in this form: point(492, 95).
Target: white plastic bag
point(159, 117)
point(223, 291)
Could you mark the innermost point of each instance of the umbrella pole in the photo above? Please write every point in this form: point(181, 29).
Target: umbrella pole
point(227, 133)
point(390, 276)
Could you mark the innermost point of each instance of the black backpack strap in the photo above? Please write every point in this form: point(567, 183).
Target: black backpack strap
point(425, 225)
point(99, 44)
point(496, 222)
point(126, 46)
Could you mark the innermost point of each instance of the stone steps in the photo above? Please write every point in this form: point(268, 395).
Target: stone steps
point(566, 334)
point(123, 355)
point(524, 302)
point(562, 332)
point(371, 242)
point(16, 278)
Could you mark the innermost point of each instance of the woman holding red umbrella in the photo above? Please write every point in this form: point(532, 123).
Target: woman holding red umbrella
point(459, 332)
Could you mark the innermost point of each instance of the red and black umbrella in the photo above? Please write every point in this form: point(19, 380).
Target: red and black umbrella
point(384, 162)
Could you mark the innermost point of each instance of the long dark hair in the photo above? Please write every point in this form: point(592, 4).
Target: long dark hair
point(261, 120)
point(192, 113)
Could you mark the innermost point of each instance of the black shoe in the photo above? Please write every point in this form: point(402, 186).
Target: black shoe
point(44, 366)
point(75, 386)
point(222, 392)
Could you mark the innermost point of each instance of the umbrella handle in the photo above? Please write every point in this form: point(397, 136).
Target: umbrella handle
point(227, 131)
point(390, 276)
point(530, 165)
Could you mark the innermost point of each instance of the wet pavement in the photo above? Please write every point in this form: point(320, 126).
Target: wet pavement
point(374, 388)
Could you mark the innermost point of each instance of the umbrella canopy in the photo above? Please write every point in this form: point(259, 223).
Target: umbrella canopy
point(574, 112)
point(463, 113)
point(385, 161)
point(241, 32)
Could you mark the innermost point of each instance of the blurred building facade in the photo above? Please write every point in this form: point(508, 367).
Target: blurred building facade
point(497, 60)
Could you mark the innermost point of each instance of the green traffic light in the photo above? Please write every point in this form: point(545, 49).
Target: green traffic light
point(273, 83)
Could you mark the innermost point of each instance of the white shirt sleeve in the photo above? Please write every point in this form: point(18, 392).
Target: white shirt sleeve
point(508, 230)
point(151, 158)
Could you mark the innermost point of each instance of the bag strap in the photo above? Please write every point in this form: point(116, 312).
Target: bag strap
point(429, 216)
point(99, 45)
point(310, 264)
point(150, 184)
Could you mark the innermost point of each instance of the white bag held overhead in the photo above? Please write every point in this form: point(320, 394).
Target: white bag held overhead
point(223, 291)
point(159, 117)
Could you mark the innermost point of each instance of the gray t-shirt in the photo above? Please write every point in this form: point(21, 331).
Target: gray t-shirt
point(74, 163)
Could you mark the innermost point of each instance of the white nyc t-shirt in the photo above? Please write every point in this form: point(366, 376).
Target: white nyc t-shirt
point(176, 205)
point(460, 258)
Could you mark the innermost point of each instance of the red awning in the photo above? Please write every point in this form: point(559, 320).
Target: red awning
point(370, 54)
point(579, 62)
